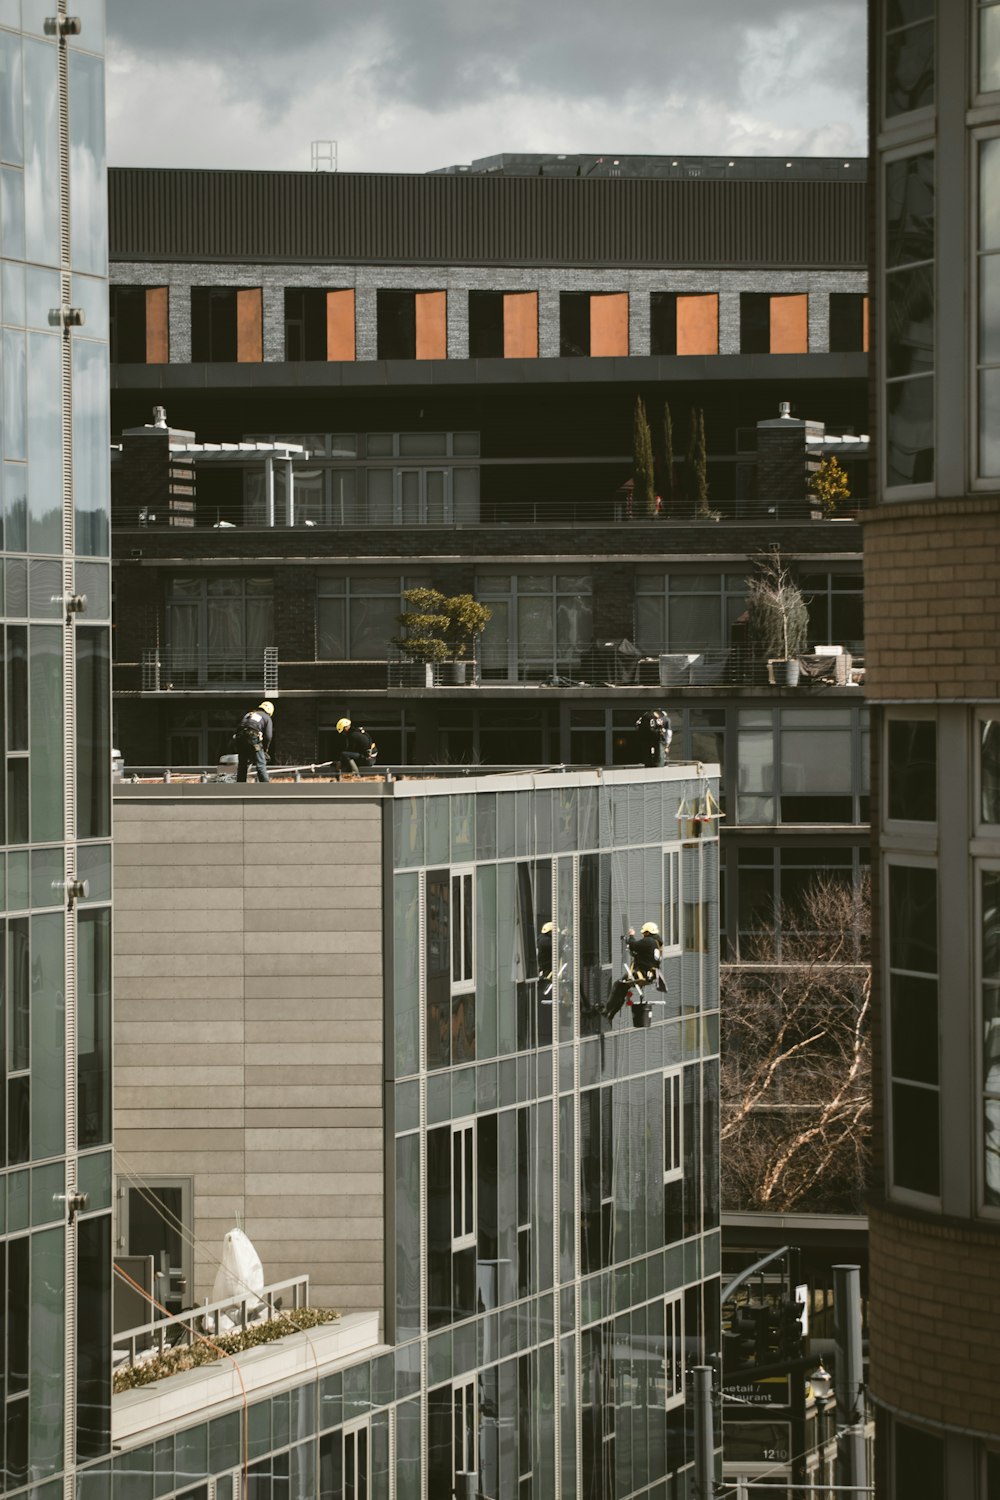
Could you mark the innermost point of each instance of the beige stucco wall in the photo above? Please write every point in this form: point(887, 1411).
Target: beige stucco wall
point(248, 1022)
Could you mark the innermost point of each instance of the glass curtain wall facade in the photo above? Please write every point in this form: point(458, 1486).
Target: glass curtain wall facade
point(555, 1192)
point(55, 814)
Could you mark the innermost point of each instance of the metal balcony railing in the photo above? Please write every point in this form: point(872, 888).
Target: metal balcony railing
point(168, 669)
point(596, 665)
point(166, 1333)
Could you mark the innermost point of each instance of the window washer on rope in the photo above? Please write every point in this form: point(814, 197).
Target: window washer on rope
point(643, 969)
point(253, 740)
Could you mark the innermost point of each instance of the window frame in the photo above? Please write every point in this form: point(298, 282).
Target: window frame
point(673, 1095)
point(672, 925)
point(978, 480)
point(464, 1399)
point(463, 932)
point(353, 1430)
point(923, 111)
point(986, 1210)
point(982, 827)
point(919, 831)
point(464, 1207)
point(675, 1379)
point(924, 489)
point(895, 1192)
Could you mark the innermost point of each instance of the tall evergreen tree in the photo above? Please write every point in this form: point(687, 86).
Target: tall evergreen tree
point(644, 493)
point(696, 466)
point(668, 454)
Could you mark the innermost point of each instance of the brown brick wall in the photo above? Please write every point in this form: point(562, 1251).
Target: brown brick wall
point(935, 1318)
point(932, 600)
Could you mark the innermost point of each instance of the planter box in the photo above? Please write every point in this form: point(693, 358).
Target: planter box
point(193, 1395)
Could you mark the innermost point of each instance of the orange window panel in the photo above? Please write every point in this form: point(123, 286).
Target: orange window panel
point(249, 325)
point(520, 325)
point(432, 325)
point(698, 323)
point(790, 324)
point(864, 324)
point(157, 326)
point(340, 342)
point(608, 323)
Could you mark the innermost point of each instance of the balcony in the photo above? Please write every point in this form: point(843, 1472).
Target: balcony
point(614, 664)
point(166, 669)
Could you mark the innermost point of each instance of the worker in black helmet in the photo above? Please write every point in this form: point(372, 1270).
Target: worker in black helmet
point(643, 969)
point(253, 740)
point(653, 734)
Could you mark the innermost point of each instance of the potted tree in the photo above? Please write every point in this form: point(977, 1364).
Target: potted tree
point(829, 487)
point(441, 629)
point(778, 617)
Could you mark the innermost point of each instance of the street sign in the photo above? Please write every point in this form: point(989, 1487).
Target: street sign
point(757, 1442)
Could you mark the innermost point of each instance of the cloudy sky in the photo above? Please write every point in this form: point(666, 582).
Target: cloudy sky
point(409, 85)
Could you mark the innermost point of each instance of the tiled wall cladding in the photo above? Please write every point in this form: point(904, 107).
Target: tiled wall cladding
point(458, 281)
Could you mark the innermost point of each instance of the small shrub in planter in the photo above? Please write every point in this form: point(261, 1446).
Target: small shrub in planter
point(440, 627)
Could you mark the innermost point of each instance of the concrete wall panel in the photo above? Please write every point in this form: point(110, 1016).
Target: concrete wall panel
point(248, 1042)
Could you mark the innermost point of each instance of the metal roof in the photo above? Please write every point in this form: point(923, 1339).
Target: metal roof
point(158, 214)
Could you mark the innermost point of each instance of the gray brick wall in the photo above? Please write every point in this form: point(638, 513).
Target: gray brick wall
point(458, 281)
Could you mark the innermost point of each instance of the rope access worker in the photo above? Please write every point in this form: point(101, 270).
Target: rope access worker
point(253, 740)
point(358, 749)
point(654, 733)
point(643, 969)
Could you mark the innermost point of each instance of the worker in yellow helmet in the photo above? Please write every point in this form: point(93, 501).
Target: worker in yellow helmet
point(357, 747)
point(643, 968)
point(253, 740)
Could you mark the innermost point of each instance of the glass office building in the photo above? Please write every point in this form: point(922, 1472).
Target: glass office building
point(550, 1190)
point(55, 816)
point(561, 1182)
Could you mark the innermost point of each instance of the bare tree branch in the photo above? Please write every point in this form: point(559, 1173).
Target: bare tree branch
point(796, 1058)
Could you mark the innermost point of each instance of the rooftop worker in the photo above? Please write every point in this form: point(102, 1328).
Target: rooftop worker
point(643, 969)
point(654, 733)
point(253, 740)
point(358, 748)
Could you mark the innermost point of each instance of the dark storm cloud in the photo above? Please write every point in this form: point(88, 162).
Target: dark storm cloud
point(442, 53)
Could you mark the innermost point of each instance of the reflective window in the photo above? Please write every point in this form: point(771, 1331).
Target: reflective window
point(93, 1337)
point(909, 320)
point(989, 46)
point(673, 1133)
point(836, 609)
point(217, 629)
point(990, 959)
point(45, 451)
point(917, 1463)
point(357, 616)
point(94, 1028)
point(45, 675)
point(912, 770)
point(802, 766)
point(989, 306)
point(11, 123)
point(687, 611)
point(42, 195)
point(540, 627)
point(93, 744)
point(913, 1045)
point(88, 173)
point(909, 55)
point(91, 448)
